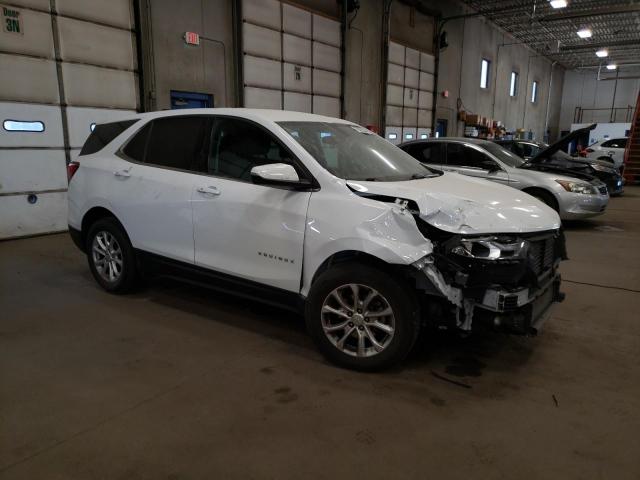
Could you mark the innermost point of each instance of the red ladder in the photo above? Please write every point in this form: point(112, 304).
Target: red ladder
point(632, 153)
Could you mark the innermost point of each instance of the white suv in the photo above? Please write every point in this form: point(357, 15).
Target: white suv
point(608, 150)
point(314, 214)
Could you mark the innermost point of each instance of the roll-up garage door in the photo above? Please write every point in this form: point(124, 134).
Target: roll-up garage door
point(292, 58)
point(410, 91)
point(64, 66)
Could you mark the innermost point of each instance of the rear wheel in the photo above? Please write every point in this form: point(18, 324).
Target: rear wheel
point(362, 318)
point(111, 257)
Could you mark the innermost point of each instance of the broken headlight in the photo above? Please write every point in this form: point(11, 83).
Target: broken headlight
point(491, 248)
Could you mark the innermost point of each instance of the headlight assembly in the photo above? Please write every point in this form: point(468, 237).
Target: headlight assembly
point(490, 248)
point(578, 187)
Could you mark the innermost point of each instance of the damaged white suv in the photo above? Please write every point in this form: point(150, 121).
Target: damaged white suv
point(318, 215)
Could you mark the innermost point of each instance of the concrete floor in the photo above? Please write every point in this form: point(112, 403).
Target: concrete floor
point(179, 383)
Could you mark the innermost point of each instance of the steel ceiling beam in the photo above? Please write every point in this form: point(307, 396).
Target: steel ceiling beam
point(591, 46)
point(618, 10)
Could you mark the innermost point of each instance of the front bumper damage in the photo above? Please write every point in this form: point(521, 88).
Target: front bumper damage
point(509, 296)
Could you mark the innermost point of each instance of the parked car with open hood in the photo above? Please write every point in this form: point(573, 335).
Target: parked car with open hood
point(314, 214)
point(545, 158)
point(572, 196)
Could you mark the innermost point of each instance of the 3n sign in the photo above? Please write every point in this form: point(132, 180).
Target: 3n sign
point(11, 20)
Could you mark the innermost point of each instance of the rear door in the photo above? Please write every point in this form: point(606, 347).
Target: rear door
point(474, 162)
point(153, 183)
point(255, 232)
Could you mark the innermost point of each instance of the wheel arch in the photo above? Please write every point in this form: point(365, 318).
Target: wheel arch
point(92, 216)
point(545, 193)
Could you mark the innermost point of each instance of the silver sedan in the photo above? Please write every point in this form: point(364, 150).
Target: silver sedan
point(572, 196)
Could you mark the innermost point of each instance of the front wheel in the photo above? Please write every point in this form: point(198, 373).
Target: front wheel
point(362, 318)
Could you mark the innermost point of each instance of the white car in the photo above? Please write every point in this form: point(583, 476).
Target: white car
point(318, 215)
point(611, 150)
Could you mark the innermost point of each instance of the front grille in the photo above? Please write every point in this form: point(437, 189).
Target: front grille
point(507, 303)
point(603, 190)
point(541, 255)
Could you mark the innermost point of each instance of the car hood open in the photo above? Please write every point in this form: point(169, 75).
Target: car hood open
point(562, 143)
point(460, 204)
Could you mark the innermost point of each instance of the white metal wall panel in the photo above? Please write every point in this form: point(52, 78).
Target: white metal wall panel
point(17, 168)
point(262, 12)
point(394, 115)
point(329, 106)
point(326, 30)
point(395, 74)
point(44, 5)
point(426, 81)
point(423, 132)
point(296, 49)
point(297, 102)
point(110, 47)
point(296, 81)
point(412, 58)
point(260, 41)
point(326, 83)
point(326, 56)
point(296, 20)
point(118, 13)
point(394, 95)
point(36, 38)
point(28, 79)
point(302, 46)
point(427, 62)
point(424, 118)
point(86, 85)
point(396, 53)
point(410, 97)
point(261, 98)
point(409, 103)
point(47, 114)
point(19, 218)
point(262, 72)
point(79, 121)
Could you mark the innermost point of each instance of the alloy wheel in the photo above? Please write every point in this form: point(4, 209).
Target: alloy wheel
point(358, 320)
point(107, 256)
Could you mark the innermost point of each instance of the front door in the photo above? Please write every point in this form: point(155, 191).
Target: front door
point(255, 232)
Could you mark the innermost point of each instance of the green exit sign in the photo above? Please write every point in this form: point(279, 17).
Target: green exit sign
point(11, 20)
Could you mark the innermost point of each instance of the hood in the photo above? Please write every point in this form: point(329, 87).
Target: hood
point(459, 204)
point(569, 172)
point(562, 143)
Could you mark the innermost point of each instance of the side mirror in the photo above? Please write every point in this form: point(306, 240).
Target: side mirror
point(278, 175)
point(490, 165)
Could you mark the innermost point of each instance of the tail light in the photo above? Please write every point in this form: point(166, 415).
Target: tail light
point(72, 168)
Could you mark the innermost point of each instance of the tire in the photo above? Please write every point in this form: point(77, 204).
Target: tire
point(546, 198)
point(121, 273)
point(324, 310)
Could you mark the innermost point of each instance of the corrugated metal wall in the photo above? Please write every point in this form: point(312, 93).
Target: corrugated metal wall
point(72, 64)
point(292, 58)
point(410, 87)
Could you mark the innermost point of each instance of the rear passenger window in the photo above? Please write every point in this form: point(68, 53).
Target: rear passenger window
point(178, 142)
point(237, 146)
point(136, 147)
point(460, 155)
point(616, 143)
point(102, 135)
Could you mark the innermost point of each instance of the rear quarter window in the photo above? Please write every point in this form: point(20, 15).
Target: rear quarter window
point(103, 134)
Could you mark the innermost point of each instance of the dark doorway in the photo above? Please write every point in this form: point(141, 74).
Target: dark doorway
point(441, 127)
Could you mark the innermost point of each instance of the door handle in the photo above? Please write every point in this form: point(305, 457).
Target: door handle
point(209, 190)
point(123, 173)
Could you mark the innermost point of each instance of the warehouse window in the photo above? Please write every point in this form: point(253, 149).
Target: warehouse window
point(484, 73)
point(534, 92)
point(23, 126)
point(513, 86)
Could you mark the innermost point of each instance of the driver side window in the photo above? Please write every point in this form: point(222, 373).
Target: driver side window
point(464, 156)
point(237, 146)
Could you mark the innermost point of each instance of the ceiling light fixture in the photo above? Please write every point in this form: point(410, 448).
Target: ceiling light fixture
point(612, 66)
point(558, 3)
point(585, 33)
point(602, 53)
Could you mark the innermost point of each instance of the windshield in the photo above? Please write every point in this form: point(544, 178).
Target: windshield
point(502, 154)
point(352, 152)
